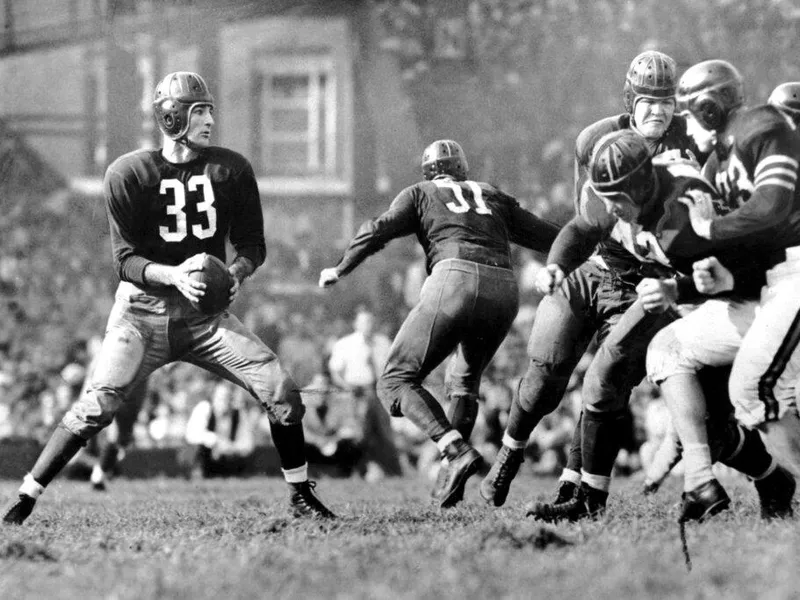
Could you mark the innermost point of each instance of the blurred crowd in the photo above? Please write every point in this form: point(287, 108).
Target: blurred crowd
point(35, 391)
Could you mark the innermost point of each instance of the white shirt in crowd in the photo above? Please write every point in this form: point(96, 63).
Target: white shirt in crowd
point(357, 360)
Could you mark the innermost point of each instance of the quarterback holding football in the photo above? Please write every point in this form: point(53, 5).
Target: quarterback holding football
point(170, 211)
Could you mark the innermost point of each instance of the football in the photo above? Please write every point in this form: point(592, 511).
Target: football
point(218, 285)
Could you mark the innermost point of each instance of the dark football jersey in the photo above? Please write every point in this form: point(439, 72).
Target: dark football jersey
point(469, 220)
point(163, 212)
point(675, 145)
point(662, 236)
point(754, 169)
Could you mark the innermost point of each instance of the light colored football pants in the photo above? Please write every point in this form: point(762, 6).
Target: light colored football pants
point(147, 330)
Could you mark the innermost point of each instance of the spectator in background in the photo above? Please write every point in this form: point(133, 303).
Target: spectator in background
point(299, 351)
point(221, 432)
point(334, 427)
point(355, 362)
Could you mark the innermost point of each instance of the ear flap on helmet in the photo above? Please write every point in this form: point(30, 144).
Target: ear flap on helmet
point(709, 112)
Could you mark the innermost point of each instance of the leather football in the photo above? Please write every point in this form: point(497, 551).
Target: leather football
point(218, 285)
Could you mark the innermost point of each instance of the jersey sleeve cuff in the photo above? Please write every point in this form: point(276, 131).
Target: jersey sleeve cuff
point(134, 268)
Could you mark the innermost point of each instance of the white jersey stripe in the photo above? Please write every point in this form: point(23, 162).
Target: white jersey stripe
point(779, 182)
point(777, 172)
point(778, 158)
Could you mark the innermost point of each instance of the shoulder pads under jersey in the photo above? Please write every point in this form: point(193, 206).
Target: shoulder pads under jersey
point(584, 143)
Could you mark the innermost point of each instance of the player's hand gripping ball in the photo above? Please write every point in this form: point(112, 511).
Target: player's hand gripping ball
point(218, 282)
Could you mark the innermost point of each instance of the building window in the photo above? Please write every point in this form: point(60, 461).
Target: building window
point(295, 102)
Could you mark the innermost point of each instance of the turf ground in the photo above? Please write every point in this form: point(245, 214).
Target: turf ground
point(224, 539)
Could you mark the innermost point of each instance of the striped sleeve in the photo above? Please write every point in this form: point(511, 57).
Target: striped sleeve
point(779, 169)
point(774, 182)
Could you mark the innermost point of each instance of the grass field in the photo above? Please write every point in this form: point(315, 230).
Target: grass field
point(230, 539)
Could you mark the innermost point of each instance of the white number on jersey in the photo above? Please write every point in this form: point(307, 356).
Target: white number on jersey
point(734, 184)
point(177, 208)
point(461, 205)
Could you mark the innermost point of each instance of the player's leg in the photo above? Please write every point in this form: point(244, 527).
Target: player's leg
point(709, 336)
point(118, 436)
point(763, 388)
point(432, 330)
point(560, 334)
point(766, 369)
point(224, 346)
point(130, 352)
point(616, 368)
point(495, 308)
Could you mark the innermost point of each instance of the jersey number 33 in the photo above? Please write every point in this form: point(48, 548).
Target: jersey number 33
point(177, 208)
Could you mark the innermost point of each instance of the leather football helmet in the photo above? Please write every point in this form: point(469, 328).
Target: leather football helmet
point(174, 99)
point(444, 157)
point(787, 98)
point(652, 74)
point(710, 91)
point(621, 165)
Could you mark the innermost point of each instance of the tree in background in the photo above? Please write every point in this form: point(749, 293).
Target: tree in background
point(516, 80)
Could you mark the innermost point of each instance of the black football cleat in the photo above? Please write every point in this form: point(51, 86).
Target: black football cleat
point(703, 501)
point(495, 486)
point(304, 502)
point(18, 509)
point(566, 491)
point(775, 494)
point(463, 462)
point(99, 486)
point(586, 503)
point(441, 480)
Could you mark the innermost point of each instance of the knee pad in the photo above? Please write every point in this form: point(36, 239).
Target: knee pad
point(284, 406)
point(666, 356)
point(93, 411)
point(542, 387)
point(388, 393)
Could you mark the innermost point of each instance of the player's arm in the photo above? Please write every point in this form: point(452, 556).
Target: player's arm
point(771, 200)
point(528, 230)
point(579, 237)
point(400, 220)
point(247, 226)
point(124, 219)
point(247, 230)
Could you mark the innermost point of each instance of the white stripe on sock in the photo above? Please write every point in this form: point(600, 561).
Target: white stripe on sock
point(570, 476)
point(296, 475)
point(31, 487)
point(447, 439)
point(598, 482)
point(510, 442)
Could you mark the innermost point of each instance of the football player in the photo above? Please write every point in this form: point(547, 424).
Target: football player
point(586, 302)
point(468, 302)
point(638, 201)
point(167, 208)
point(754, 169)
point(787, 97)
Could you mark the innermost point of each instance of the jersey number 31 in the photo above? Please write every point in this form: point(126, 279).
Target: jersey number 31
point(177, 190)
point(461, 205)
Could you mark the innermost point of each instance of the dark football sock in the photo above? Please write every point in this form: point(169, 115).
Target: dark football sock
point(574, 458)
point(290, 443)
point(424, 411)
point(521, 422)
point(601, 433)
point(753, 459)
point(58, 451)
point(462, 412)
point(108, 457)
